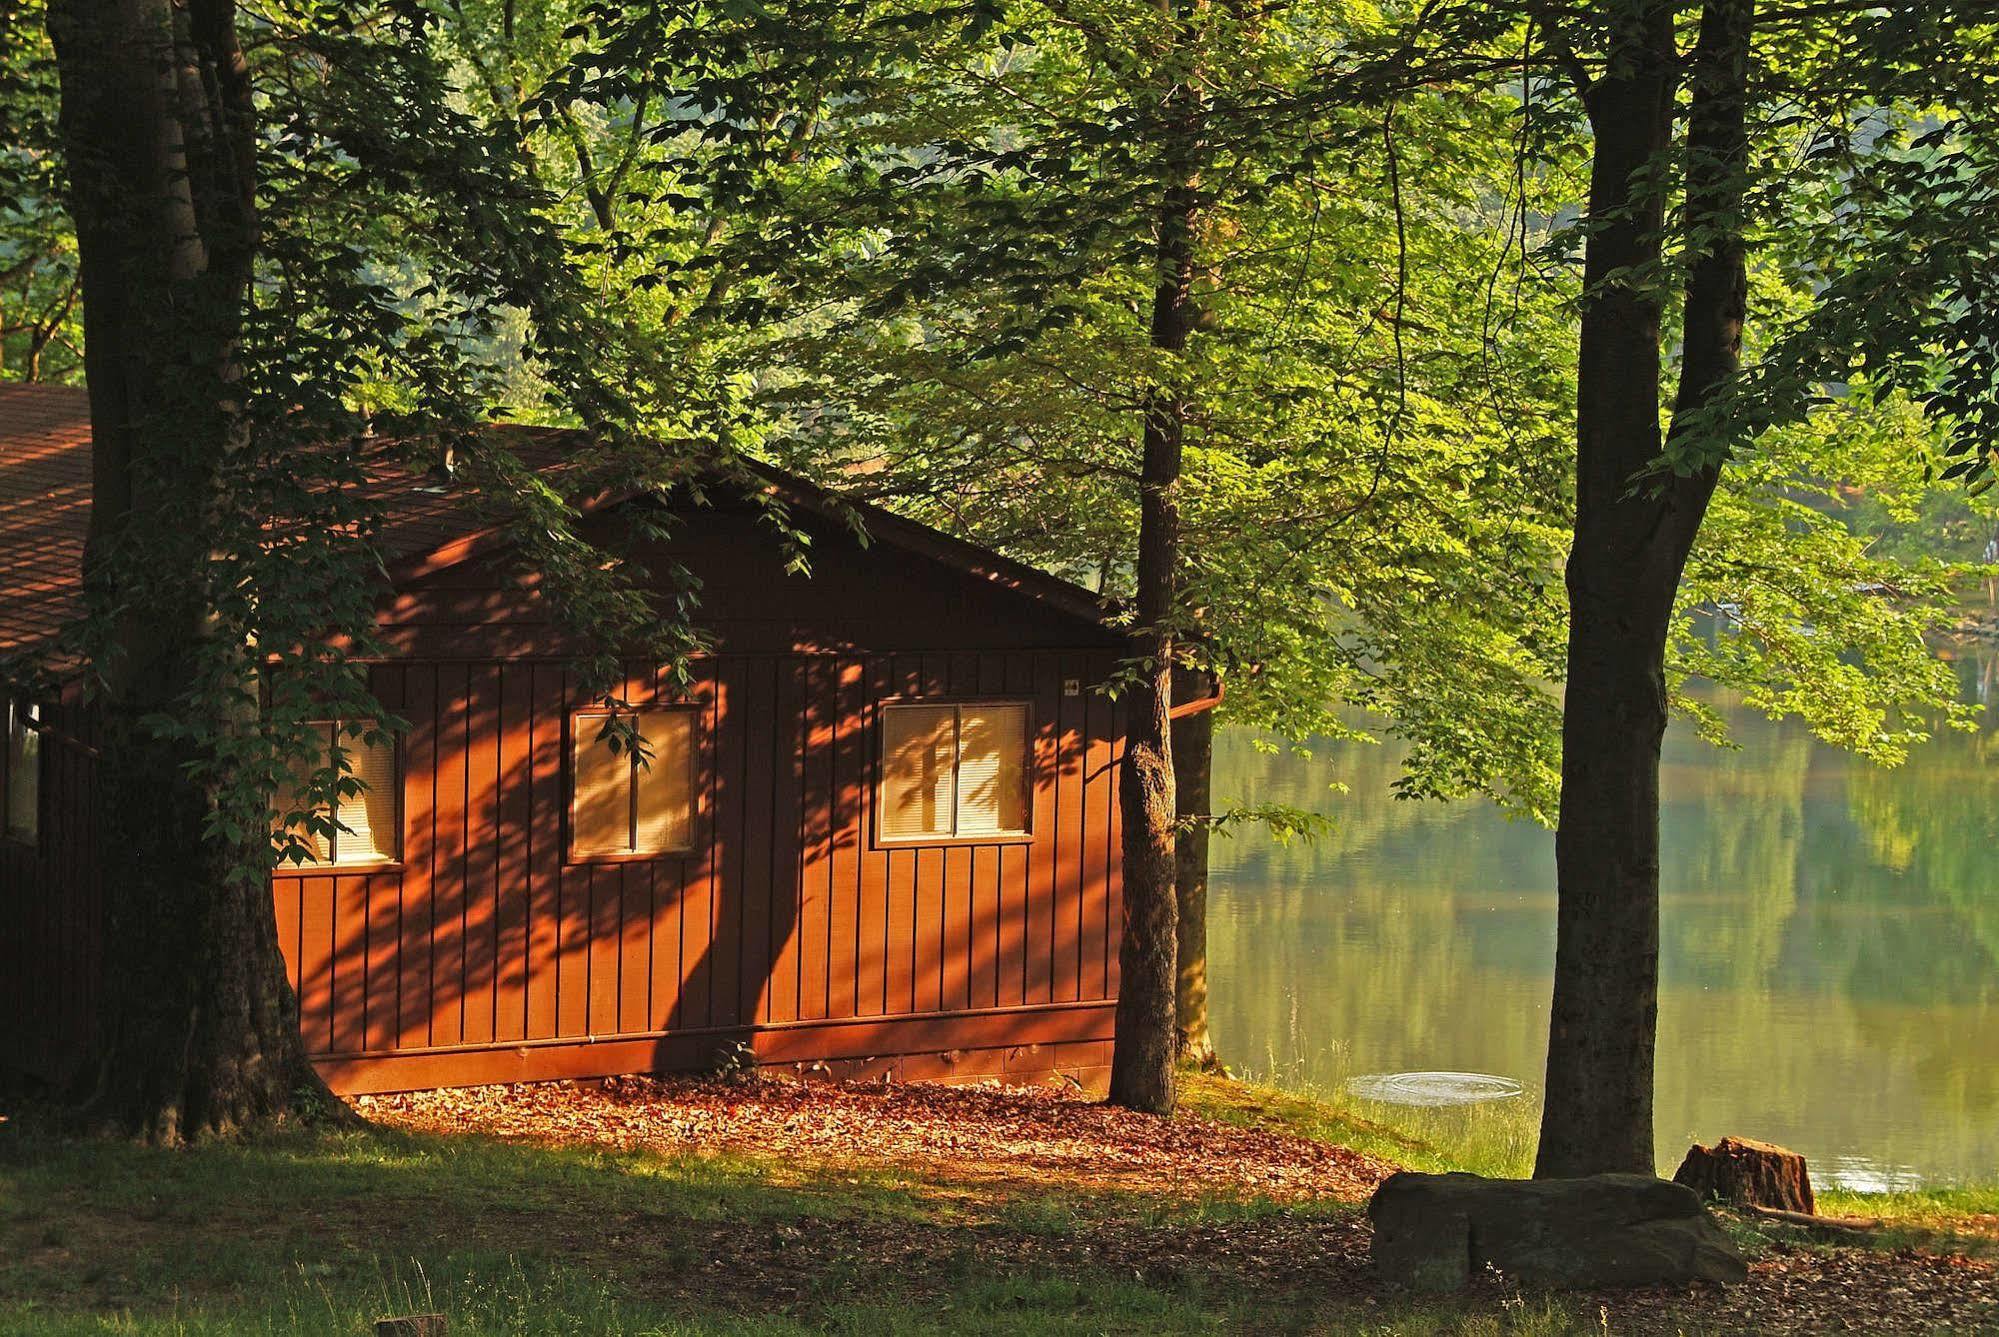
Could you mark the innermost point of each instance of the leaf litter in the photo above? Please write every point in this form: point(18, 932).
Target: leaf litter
point(1143, 1184)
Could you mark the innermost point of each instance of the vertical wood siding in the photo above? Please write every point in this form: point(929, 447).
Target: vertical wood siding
point(786, 911)
point(486, 954)
point(50, 911)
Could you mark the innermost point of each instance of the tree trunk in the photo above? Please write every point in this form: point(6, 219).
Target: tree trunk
point(1633, 534)
point(1142, 1057)
point(198, 1026)
point(1193, 778)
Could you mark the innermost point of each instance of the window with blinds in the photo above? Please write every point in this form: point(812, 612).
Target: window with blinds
point(365, 825)
point(22, 775)
point(624, 803)
point(952, 772)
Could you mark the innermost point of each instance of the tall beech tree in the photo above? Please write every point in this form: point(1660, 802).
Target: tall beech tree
point(246, 219)
point(1674, 194)
point(1142, 1058)
point(1194, 806)
point(1632, 538)
point(161, 137)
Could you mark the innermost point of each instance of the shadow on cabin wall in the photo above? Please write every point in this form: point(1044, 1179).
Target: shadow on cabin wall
point(483, 954)
point(786, 933)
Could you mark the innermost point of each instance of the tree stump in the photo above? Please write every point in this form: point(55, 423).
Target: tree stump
point(1746, 1173)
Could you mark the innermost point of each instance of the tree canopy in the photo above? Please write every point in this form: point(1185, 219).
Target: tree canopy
point(1261, 319)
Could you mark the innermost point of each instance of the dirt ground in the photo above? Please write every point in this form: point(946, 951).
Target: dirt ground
point(1029, 1137)
point(1185, 1200)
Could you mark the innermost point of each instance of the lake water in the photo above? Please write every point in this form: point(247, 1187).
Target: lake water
point(1830, 972)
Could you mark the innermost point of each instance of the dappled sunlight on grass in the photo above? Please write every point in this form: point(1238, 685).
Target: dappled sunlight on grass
point(302, 1231)
point(320, 1233)
point(1489, 1137)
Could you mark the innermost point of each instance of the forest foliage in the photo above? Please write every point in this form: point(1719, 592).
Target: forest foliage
point(995, 264)
point(903, 248)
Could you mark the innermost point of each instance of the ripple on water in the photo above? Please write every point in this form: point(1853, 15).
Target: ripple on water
point(1863, 1174)
point(1432, 1088)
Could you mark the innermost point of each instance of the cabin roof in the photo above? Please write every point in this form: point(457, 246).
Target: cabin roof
point(45, 481)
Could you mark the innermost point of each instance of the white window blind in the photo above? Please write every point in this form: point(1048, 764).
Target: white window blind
point(367, 820)
point(954, 771)
point(623, 806)
point(918, 747)
point(24, 772)
point(367, 824)
point(600, 820)
point(992, 769)
point(666, 787)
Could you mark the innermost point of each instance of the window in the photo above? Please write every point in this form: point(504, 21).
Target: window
point(954, 772)
point(23, 776)
point(622, 806)
point(367, 824)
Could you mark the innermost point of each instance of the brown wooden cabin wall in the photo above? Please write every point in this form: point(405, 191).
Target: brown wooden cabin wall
point(50, 910)
point(488, 956)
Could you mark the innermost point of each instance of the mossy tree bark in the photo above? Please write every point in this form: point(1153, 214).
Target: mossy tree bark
point(198, 1026)
point(1635, 525)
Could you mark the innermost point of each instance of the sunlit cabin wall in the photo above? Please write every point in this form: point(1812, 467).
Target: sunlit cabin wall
point(788, 931)
point(490, 954)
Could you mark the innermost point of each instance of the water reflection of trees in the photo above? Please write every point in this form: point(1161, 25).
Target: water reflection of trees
point(1732, 827)
point(1929, 832)
point(1366, 930)
point(1831, 945)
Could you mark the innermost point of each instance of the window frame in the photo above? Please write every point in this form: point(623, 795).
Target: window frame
point(31, 712)
point(574, 857)
point(331, 866)
point(1030, 769)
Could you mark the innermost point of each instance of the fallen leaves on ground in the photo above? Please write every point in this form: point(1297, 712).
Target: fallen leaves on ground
point(979, 1134)
point(1007, 1140)
point(1794, 1290)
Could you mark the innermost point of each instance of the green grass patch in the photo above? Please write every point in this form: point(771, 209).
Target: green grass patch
point(1936, 1208)
point(1497, 1139)
point(323, 1232)
point(1490, 1138)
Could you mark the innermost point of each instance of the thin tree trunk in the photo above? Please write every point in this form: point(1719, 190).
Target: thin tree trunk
point(1193, 779)
point(1142, 1057)
point(198, 1026)
point(1632, 538)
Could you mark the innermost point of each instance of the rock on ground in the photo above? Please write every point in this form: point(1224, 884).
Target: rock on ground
point(1435, 1232)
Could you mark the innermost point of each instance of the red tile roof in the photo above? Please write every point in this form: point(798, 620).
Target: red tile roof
point(44, 509)
point(45, 506)
point(45, 515)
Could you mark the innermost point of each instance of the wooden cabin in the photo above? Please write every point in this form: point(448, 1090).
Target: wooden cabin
point(878, 835)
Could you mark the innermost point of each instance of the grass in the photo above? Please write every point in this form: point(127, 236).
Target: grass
point(323, 1232)
point(1935, 1208)
point(1952, 1219)
point(1494, 1137)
